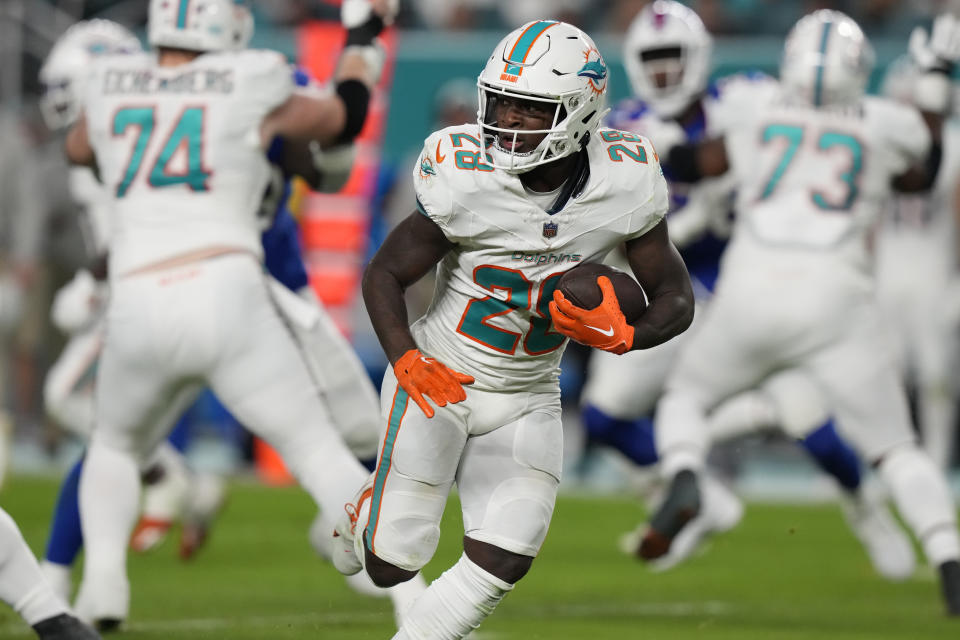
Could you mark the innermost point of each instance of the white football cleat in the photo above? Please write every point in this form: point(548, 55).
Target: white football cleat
point(885, 542)
point(207, 497)
point(720, 511)
point(348, 549)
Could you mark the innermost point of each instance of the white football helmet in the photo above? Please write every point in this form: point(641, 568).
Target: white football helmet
point(198, 25)
point(900, 79)
point(827, 60)
point(65, 70)
point(668, 39)
point(550, 62)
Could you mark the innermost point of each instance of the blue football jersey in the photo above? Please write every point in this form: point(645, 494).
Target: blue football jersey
point(283, 253)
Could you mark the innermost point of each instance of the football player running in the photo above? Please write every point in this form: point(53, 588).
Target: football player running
point(667, 52)
point(814, 165)
point(180, 140)
point(504, 207)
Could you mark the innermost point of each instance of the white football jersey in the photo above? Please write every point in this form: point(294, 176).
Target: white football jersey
point(489, 316)
point(817, 179)
point(179, 149)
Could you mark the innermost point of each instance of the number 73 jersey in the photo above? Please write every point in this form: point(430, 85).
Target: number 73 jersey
point(819, 178)
point(179, 150)
point(489, 316)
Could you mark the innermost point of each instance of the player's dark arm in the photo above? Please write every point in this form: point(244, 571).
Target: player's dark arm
point(922, 176)
point(664, 278)
point(411, 250)
point(335, 119)
point(695, 161)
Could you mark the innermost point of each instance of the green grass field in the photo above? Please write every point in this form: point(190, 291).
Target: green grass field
point(787, 572)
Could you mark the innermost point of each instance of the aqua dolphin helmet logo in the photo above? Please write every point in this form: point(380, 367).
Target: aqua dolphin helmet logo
point(594, 70)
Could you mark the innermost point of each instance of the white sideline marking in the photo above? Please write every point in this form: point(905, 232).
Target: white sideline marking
point(671, 609)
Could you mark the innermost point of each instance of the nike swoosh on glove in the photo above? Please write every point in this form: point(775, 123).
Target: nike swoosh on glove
point(422, 376)
point(603, 327)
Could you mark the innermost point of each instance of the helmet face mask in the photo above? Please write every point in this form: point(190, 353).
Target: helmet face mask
point(64, 72)
point(199, 25)
point(667, 55)
point(548, 74)
point(827, 60)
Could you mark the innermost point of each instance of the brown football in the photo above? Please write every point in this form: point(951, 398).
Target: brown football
point(579, 286)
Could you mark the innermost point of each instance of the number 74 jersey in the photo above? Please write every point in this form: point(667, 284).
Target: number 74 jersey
point(489, 316)
point(179, 150)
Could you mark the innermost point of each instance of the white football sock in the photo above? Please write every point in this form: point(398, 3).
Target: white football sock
point(404, 596)
point(109, 500)
point(59, 576)
point(742, 414)
point(454, 604)
point(22, 586)
point(923, 499)
point(938, 415)
point(682, 435)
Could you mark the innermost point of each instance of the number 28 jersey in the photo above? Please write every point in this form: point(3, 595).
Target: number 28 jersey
point(179, 149)
point(489, 316)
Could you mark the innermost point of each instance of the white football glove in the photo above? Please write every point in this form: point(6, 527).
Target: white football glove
point(79, 303)
point(353, 13)
point(939, 50)
point(936, 56)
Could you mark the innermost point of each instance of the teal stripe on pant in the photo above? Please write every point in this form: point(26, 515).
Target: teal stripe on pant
point(397, 412)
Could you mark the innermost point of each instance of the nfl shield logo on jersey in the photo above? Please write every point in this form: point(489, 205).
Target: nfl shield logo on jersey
point(550, 229)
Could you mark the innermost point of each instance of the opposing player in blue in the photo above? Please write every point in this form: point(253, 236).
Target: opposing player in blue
point(667, 53)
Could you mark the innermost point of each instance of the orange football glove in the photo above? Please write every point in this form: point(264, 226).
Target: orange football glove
point(420, 375)
point(603, 327)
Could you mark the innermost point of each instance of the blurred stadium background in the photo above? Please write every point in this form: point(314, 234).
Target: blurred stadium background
point(436, 52)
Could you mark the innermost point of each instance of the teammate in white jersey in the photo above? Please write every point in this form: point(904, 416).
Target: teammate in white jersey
point(814, 166)
point(79, 306)
point(179, 137)
point(505, 206)
point(668, 56)
point(917, 282)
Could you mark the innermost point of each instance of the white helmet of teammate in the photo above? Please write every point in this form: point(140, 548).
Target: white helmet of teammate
point(550, 62)
point(667, 55)
point(65, 70)
point(827, 60)
point(198, 25)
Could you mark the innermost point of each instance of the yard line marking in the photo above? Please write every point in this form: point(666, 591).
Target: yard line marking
point(646, 609)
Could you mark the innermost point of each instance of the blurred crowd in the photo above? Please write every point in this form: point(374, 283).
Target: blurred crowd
point(42, 241)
